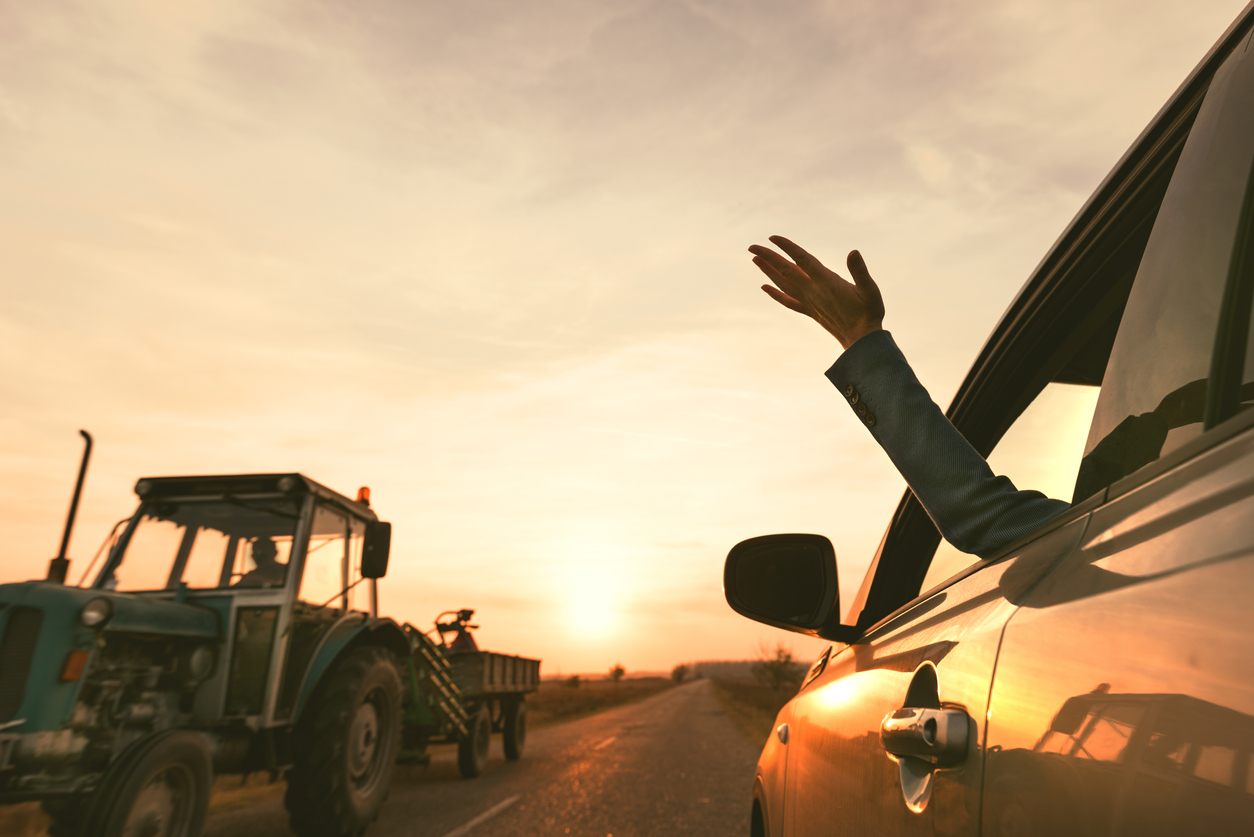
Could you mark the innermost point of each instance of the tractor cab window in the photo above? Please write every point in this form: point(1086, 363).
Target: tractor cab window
point(333, 562)
point(206, 545)
point(359, 595)
point(324, 577)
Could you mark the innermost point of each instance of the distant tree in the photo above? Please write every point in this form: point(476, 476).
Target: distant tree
point(571, 682)
point(679, 672)
point(777, 670)
point(617, 672)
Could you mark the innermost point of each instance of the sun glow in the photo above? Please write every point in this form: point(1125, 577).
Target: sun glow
point(592, 613)
point(591, 591)
point(591, 597)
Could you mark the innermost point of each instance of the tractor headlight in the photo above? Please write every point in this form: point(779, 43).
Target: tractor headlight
point(96, 612)
point(200, 663)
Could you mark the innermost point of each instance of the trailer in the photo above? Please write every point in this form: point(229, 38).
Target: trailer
point(463, 696)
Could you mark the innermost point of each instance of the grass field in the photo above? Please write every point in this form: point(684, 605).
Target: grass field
point(553, 704)
point(751, 706)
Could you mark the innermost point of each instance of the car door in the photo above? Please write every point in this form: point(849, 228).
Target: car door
point(1123, 701)
point(938, 652)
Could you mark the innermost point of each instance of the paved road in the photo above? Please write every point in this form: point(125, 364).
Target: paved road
point(670, 765)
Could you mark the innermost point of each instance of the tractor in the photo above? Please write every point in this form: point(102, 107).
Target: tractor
point(232, 627)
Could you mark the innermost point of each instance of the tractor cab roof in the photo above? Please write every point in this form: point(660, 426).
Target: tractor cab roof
point(254, 486)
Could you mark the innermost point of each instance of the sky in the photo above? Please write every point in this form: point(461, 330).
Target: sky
point(489, 258)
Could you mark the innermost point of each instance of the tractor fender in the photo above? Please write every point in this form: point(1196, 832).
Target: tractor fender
point(352, 630)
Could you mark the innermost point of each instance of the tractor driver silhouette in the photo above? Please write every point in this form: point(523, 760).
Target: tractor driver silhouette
point(267, 572)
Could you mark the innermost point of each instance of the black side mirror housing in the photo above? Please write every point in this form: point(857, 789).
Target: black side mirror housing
point(788, 582)
point(374, 553)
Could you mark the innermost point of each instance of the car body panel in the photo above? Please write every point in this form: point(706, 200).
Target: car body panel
point(1148, 622)
point(772, 774)
point(840, 780)
point(1156, 602)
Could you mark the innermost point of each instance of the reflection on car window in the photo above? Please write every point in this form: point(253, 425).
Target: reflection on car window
point(1166, 752)
point(1154, 390)
point(1102, 735)
point(1215, 763)
point(1040, 451)
point(1106, 736)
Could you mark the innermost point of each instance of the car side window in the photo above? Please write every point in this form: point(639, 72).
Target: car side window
point(1154, 393)
point(1040, 451)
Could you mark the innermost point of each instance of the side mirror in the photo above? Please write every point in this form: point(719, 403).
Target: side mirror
point(374, 553)
point(786, 581)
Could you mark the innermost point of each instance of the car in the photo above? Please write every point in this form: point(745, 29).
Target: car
point(1095, 676)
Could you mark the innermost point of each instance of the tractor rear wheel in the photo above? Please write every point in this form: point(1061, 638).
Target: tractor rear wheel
point(472, 749)
point(514, 736)
point(344, 747)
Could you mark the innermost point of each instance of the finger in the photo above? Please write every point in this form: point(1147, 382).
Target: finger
point(784, 299)
point(789, 278)
point(804, 260)
point(862, 278)
point(777, 261)
point(774, 275)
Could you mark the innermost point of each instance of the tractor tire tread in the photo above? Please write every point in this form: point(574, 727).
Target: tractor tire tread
point(316, 798)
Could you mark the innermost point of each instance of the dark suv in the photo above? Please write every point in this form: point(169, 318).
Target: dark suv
point(1096, 676)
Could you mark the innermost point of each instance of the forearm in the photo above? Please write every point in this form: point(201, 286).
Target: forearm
point(975, 510)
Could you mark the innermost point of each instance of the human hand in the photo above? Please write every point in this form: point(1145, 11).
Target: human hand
point(848, 310)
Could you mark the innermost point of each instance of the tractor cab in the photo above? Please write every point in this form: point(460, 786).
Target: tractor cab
point(277, 557)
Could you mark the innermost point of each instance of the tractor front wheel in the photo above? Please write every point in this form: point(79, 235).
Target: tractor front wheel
point(159, 788)
point(344, 747)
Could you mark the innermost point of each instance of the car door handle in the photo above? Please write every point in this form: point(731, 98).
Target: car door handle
point(938, 736)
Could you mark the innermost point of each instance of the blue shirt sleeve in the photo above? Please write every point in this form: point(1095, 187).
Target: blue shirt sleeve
point(975, 510)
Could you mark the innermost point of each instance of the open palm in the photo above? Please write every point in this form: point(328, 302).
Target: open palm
point(848, 310)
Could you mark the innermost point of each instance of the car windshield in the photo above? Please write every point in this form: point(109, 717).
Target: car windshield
point(208, 544)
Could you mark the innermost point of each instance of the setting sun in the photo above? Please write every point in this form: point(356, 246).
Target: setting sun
point(593, 591)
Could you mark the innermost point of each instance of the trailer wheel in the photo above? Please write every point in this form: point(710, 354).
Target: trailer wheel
point(472, 749)
point(515, 733)
point(344, 747)
point(158, 788)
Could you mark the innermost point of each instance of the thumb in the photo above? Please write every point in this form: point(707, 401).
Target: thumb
point(862, 278)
